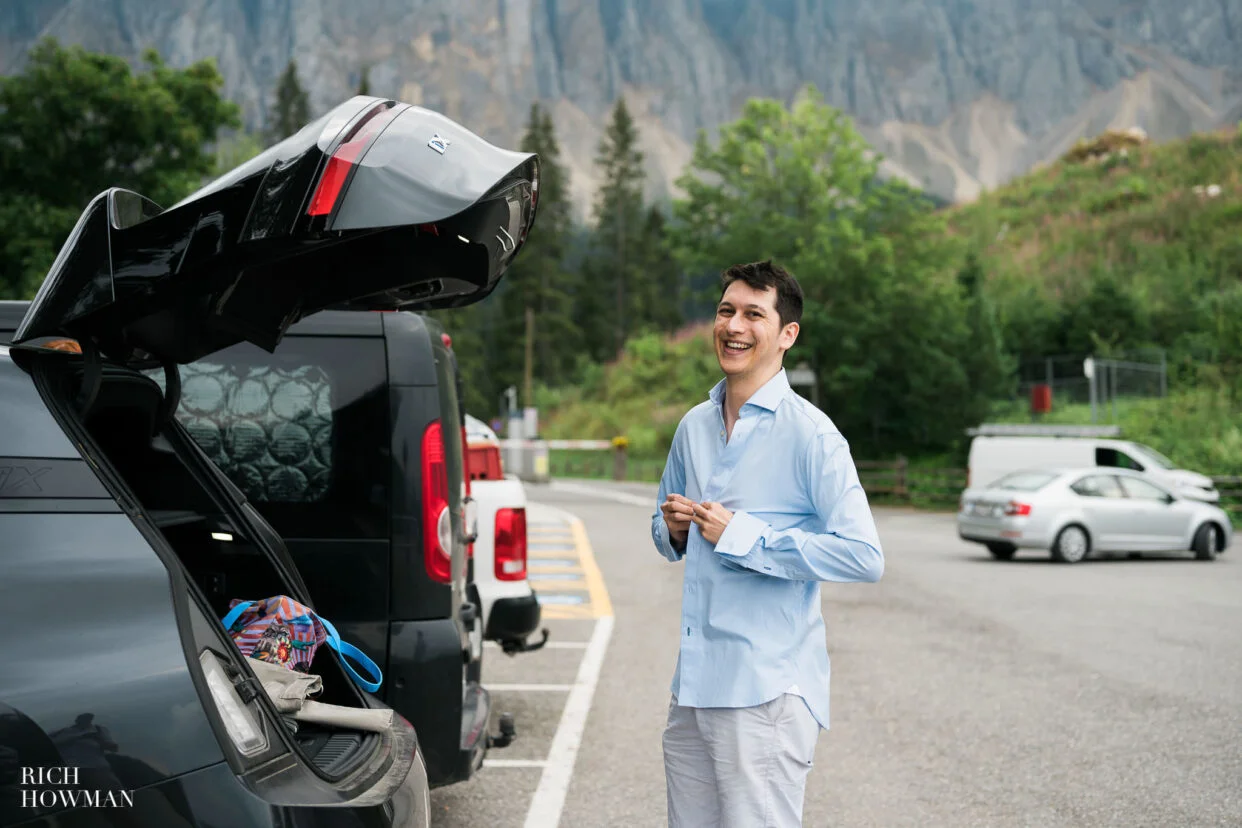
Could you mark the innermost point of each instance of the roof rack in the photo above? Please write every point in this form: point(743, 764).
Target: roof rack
point(1038, 430)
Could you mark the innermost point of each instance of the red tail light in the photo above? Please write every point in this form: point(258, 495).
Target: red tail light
point(510, 544)
point(484, 462)
point(437, 530)
point(465, 517)
point(332, 181)
point(1016, 509)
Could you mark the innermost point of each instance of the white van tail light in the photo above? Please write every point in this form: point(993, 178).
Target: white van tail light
point(510, 545)
point(240, 722)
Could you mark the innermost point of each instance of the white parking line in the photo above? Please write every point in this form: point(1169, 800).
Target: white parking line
point(604, 494)
point(551, 645)
point(527, 688)
point(514, 763)
point(549, 800)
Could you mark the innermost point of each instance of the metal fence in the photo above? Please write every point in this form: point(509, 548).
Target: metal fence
point(1097, 381)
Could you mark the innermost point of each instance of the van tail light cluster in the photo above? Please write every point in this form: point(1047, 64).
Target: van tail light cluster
point(510, 544)
point(1015, 509)
point(345, 157)
point(437, 526)
point(483, 462)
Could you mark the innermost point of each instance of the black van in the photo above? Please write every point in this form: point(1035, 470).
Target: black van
point(349, 440)
point(344, 440)
point(122, 545)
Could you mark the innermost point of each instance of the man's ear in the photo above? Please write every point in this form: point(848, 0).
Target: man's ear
point(788, 336)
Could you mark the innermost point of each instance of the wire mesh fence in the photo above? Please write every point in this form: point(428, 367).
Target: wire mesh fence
point(1099, 382)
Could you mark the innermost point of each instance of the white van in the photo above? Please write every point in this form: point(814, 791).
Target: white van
point(998, 450)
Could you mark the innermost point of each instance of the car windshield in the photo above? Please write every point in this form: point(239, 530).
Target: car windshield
point(1025, 481)
point(1156, 457)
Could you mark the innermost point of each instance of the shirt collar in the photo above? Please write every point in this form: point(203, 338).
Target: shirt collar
point(768, 396)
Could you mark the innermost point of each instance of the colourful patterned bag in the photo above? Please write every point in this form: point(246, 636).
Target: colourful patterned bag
point(279, 630)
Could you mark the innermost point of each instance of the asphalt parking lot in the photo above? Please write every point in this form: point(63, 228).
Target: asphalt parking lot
point(965, 691)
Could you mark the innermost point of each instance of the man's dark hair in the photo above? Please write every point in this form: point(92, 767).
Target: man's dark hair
point(764, 275)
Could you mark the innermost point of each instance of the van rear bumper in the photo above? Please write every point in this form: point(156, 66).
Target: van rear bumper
point(513, 619)
point(1015, 531)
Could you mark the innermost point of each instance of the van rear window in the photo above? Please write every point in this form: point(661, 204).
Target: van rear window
point(1025, 481)
point(302, 432)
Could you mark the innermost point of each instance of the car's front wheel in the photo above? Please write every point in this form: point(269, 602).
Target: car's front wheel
point(1072, 544)
point(1207, 542)
point(1002, 551)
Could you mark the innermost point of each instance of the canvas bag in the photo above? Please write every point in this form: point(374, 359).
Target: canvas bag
point(282, 631)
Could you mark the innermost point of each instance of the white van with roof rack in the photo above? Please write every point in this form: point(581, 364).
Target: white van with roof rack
point(999, 449)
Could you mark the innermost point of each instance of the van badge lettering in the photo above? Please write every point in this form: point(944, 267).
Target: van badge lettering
point(438, 143)
point(21, 478)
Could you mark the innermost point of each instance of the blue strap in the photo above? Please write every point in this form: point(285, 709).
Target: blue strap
point(234, 614)
point(344, 648)
point(347, 650)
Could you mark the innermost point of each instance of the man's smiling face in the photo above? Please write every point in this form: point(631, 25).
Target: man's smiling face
point(748, 332)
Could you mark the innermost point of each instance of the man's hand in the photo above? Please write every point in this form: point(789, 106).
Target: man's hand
point(678, 512)
point(712, 519)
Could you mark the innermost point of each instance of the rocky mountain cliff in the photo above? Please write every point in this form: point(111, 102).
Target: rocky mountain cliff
point(958, 95)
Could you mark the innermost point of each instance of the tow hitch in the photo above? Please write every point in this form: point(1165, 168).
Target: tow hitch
point(514, 646)
point(507, 732)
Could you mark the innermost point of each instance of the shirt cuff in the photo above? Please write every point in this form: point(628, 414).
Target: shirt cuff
point(665, 541)
point(741, 535)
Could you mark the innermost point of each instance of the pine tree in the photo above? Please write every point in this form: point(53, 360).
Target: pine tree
point(988, 366)
point(538, 279)
point(292, 109)
point(617, 249)
point(658, 283)
point(364, 85)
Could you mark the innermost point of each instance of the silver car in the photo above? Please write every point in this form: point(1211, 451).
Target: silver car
point(1074, 513)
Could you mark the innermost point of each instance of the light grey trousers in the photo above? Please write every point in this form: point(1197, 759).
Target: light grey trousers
point(743, 767)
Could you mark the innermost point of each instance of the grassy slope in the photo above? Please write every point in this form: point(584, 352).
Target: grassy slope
point(1137, 217)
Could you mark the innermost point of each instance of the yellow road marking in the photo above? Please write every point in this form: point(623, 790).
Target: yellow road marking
point(567, 612)
point(554, 570)
point(600, 602)
point(552, 586)
point(563, 554)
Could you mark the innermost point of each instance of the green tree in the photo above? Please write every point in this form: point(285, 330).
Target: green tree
point(885, 331)
point(989, 368)
point(613, 270)
point(76, 123)
point(291, 111)
point(1105, 318)
point(658, 284)
point(364, 85)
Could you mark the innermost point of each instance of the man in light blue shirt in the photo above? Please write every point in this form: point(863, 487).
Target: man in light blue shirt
point(761, 500)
